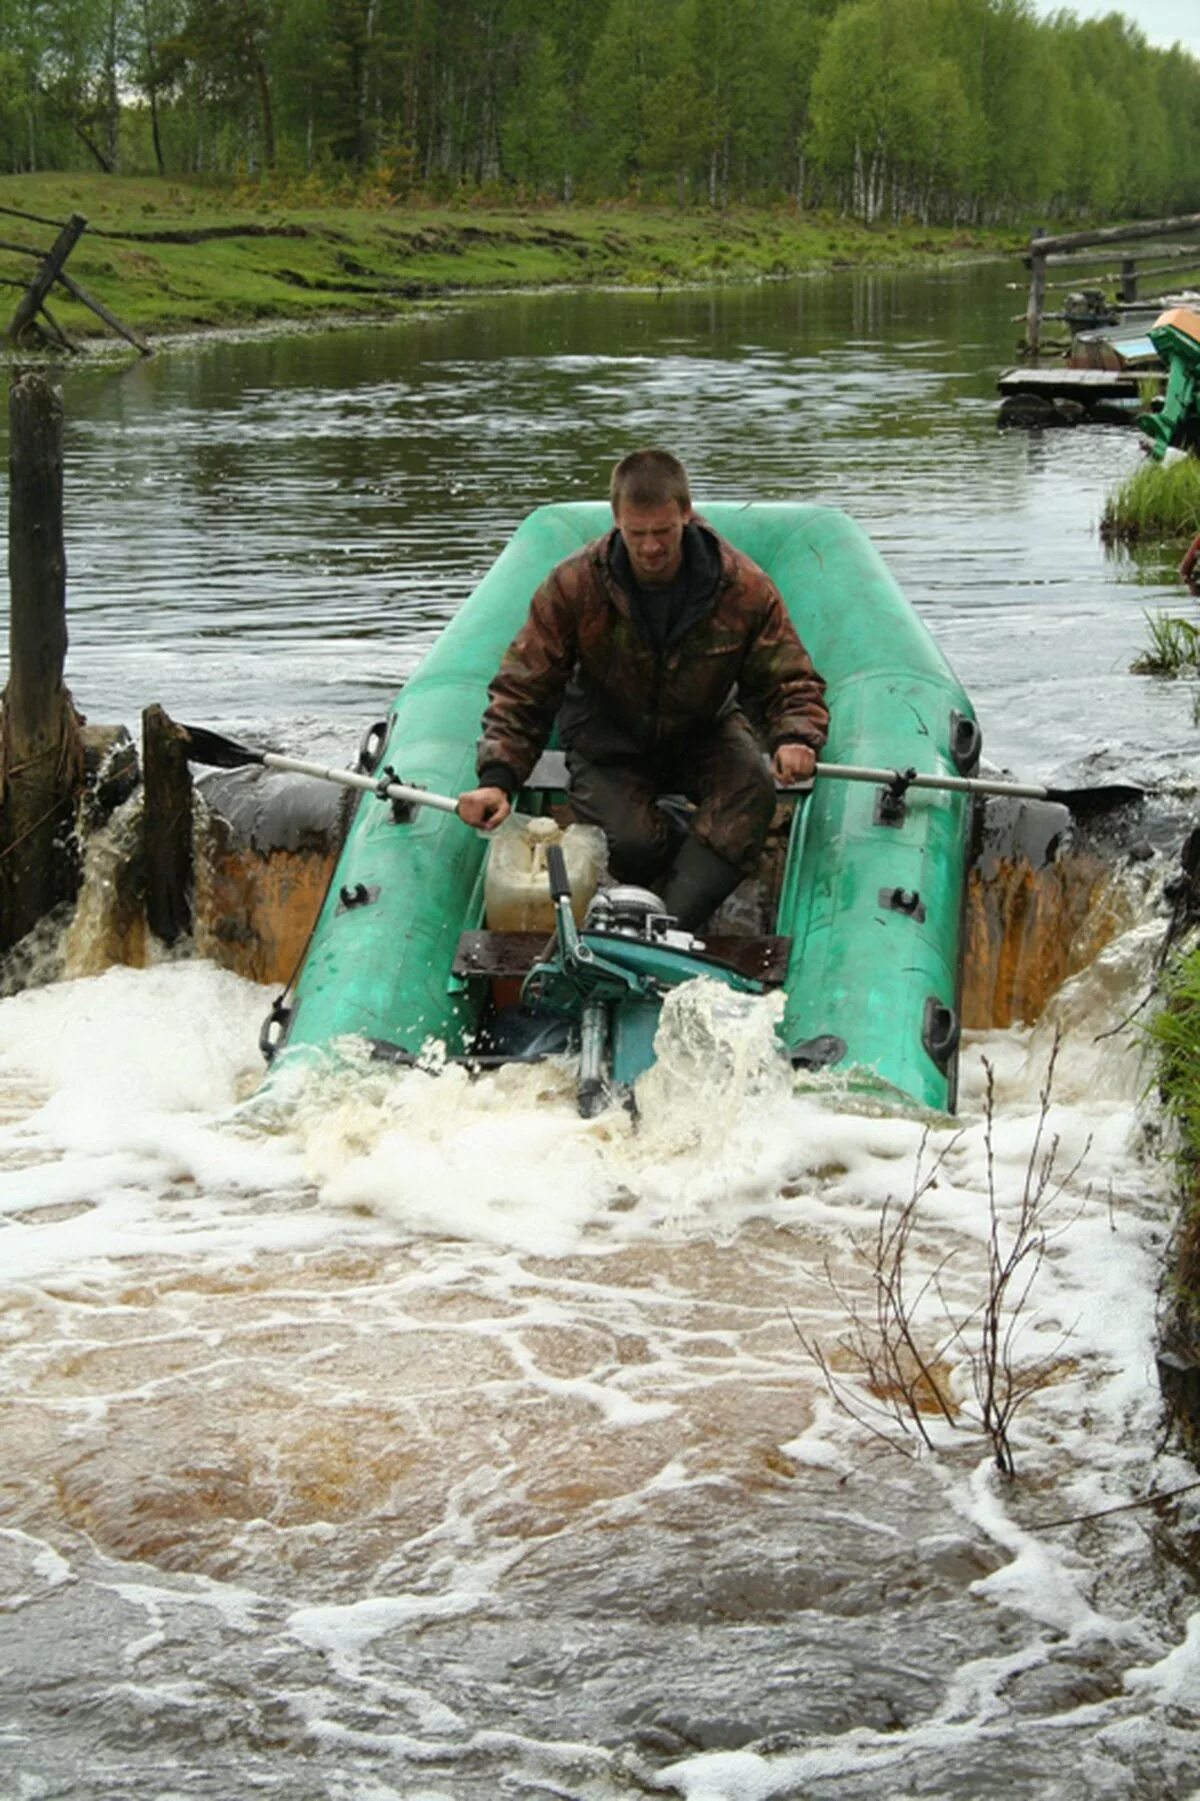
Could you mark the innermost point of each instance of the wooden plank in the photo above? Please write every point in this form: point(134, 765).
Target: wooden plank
point(499, 954)
point(765, 960)
point(1080, 382)
point(509, 955)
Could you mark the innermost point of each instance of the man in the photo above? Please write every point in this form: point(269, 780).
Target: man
point(643, 644)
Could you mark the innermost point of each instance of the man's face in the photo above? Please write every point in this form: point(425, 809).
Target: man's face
point(654, 539)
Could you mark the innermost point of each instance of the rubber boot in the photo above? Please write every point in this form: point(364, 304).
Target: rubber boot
point(698, 884)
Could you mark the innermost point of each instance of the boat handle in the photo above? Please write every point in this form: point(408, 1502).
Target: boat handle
point(940, 1032)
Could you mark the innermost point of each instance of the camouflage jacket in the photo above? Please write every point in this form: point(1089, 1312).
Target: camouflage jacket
point(580, 657)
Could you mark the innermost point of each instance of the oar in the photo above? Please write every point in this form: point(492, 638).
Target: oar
point(203, 746)
point(1079, 800)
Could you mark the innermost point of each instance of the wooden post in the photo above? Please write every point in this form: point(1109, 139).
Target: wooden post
point(167, 800)
point(31, 303)
point(41, 752)
point(1129, 278)
point(1037, 297)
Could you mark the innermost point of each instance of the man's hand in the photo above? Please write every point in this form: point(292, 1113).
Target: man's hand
point(484, 807)
point(794, 763)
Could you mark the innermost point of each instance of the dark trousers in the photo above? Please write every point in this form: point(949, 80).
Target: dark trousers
point(724, 773)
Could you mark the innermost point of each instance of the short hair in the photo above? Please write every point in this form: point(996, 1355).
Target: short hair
point(650, 478)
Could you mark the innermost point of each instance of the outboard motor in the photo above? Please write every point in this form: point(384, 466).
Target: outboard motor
point(627, 911)
point(611, 977)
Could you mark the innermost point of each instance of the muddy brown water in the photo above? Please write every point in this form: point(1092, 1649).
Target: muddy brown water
point(413, 1439)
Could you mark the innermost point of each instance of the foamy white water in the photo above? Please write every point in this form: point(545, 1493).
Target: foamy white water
point(406, 1435)
point(412, 1438)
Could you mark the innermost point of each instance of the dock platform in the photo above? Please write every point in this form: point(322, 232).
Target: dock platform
point(1084, 385)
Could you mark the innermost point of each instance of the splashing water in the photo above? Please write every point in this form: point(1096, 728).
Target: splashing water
point(404, 1434)
point(407, 1436)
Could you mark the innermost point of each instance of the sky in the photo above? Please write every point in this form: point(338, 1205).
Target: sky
point(1164, 22)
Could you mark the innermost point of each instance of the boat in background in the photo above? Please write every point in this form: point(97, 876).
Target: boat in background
point(855, 915)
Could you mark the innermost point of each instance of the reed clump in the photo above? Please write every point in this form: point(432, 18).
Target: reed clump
point(1173, 648)
point(1159, 501)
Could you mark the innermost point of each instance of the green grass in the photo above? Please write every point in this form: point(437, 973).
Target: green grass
point(1175, 1034)
point(1156, 502)
point(1174, 647)
point(358, 253)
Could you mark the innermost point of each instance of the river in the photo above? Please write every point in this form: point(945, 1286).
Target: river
point(412, 1439)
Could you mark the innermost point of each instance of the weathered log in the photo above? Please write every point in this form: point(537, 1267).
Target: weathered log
point(1115, 234)
point(1037, 302)
point(101, 311)
point(16, 212)
point(167, 801)
point(30, 306)
point(41, 752)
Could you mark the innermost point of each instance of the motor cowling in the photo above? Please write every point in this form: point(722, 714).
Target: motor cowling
point(627, 911)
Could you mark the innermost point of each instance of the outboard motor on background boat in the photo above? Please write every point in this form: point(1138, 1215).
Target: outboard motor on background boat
point(1176, 422)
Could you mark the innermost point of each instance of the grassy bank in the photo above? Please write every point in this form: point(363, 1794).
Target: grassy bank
point(1176, 1031)
point(1157, 503)
point(1160, 504)
point(169, 256)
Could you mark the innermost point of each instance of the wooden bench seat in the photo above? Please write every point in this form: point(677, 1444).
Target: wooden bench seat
point(505, 955)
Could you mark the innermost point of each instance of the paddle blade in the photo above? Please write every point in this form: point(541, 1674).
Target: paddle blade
point(203, 746)
point(1089, 801)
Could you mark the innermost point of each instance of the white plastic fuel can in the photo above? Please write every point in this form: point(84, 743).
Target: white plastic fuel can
point(516, 885)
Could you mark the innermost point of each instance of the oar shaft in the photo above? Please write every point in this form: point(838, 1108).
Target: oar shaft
point(956, 784)
point(347, 778)
point(844, 772)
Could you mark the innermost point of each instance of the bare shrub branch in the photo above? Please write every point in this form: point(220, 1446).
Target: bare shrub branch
point(887, 1343)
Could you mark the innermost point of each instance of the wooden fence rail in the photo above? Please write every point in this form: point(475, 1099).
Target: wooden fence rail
point(1069, 248)
point(33, 314)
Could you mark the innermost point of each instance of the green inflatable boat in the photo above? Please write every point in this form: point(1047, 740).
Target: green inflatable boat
point(859, 904)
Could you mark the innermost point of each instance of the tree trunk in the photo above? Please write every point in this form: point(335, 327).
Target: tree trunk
point(41, 752)
point(152, 88)
point(112, 98)
point(91, 146)
point(156, 132)
point(259, 69)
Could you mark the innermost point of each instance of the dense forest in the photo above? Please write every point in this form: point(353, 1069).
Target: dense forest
point(946, 111)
